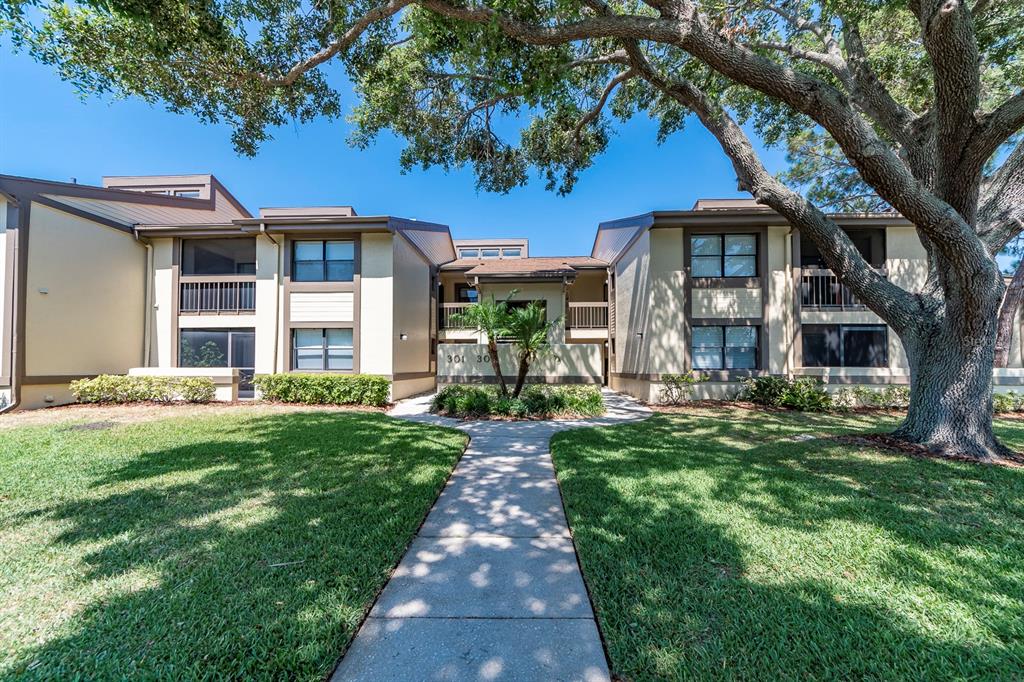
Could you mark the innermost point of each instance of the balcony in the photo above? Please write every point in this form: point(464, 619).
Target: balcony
point(217, 296)
point(822, 290)
point(448, 313)
point(588, 315)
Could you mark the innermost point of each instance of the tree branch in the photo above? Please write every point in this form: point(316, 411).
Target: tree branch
point(998, 127)
point(1001, 215)
point(602, 100)
point(343, 42)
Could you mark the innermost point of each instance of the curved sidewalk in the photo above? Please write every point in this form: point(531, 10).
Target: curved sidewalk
point(490, 588)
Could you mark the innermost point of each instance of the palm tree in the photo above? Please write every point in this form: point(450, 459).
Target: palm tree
point(490, 318)
point(528, 329)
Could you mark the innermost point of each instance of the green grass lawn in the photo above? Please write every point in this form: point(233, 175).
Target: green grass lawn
point(715, 545)
point(236, 546)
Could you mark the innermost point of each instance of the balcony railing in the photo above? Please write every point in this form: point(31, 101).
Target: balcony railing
point(588, 315)
point(217, 297)
point(822, 290)
point(448, 313)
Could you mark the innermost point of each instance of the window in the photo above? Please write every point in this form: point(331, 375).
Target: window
point(469, 253)
point(322, 350)
point(466, 294)
point(835, 345)
point(187, 193)
point(220, 348)
point(489, 253)
point(511, 253)
point(725, 347)
point(723, 255)
point(323, 261)
point(218, 257)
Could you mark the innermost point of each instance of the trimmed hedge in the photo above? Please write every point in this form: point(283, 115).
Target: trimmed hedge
point(535, 402)
point(325, 389)
point(118, 388)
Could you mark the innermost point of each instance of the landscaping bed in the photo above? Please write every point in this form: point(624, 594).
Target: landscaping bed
point(535, 402)
point(724, 542)
point(226, 543)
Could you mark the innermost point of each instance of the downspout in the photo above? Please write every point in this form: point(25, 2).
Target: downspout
point(791, 331)
point(147, 334)
point(17, 286)
point(277, 292)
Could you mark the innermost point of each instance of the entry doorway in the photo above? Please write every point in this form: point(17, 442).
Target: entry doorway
point(234, 348)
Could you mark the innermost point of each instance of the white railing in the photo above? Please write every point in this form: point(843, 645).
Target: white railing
point(448, 313)
point(588, 315)
point(207, 296)
point(822, 290)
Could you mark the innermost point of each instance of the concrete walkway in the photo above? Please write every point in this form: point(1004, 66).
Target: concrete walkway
point(490, 588)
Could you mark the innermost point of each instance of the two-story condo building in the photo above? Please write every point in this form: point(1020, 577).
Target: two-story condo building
point(171, 275)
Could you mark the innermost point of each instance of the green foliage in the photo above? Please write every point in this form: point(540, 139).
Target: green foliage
point(324, 389)
point(207, 355)
point(891, 397)
point(1007, 402)
point(535, 402)
point(117, 388)
point(764, 390)
point(803, 393)
point(677, 388)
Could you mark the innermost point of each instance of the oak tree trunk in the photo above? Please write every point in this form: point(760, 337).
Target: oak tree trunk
point(1008, 314)
point(951, 357)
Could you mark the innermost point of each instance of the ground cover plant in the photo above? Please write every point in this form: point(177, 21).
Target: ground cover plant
point(534, 402)
point(243, 545)
point(747, 544)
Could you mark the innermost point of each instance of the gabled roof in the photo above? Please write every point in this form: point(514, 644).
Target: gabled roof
point(536, 267)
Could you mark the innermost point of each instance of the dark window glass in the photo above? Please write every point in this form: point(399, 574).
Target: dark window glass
point(864, 347)
point(832, 345)
point(732, 347)
point(723, 255)
point(870, 242)
point(466, 294)
point(218, 257)
point(323, 261)
point(234, 348)
point(187, 193)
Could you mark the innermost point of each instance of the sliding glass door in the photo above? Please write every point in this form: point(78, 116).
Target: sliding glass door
point(235, 348)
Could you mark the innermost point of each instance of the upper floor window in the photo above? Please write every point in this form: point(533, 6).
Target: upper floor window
point(466, 294)
point(489, 253)
point(218, 257)
point(187, 193)
point(469, 253)
point(723, 255)
point(841, 345)
point(724, 347)
point(323, 261)
point(511, 253)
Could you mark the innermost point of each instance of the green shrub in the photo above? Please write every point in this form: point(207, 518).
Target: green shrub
point(325, 389)
point(197, 389)
point(117, 388)
point(890, 397)
point(1007, 402)
point(806, 394)
point(536, 402)
point(764, 390)
point(677, 388)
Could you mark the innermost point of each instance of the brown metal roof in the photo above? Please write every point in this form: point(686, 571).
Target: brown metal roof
point(537, 266)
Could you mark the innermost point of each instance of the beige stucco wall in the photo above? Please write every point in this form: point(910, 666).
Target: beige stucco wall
point(412, 311)
point(632, 309)
point(408, 387)
point(36, 396)
point(376, 305)
point(588, 287)
point(780, 314)
point(667, 302)
point(268, 323)
point(162, 343)
point(216, 322)
point(907, 266)
point(90, 320)
point(552, 293)
point(573, 360)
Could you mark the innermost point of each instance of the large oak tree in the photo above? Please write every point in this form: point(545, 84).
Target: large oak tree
point(921, 100)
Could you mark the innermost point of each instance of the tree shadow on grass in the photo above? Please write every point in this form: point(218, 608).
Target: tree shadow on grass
point(249, 551)
point(718, 547)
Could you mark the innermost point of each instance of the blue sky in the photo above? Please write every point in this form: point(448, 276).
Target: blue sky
point(48, 131)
